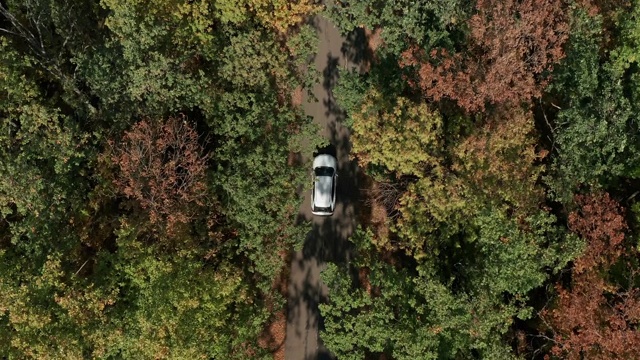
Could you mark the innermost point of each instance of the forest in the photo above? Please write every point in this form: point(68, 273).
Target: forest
point(149, 201)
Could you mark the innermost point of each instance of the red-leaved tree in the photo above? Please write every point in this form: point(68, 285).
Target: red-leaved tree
point(162, 166)
point(511, 48)
point(594, 318)
point(601, 223)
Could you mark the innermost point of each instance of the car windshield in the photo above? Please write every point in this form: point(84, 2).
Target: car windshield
point(323, 171)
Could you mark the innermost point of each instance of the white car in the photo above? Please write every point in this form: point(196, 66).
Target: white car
point(323, 195)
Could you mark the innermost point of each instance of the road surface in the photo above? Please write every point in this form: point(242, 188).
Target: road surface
point(327, 241)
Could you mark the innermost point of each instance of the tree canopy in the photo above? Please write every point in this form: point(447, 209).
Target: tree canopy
point(501, 139)
point(131, 132)
point(142, 143)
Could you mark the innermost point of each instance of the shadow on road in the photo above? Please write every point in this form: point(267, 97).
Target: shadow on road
point(321, 355)
point(330, 76)
point(355, 49)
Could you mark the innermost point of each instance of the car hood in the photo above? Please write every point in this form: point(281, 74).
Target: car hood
point(322, 196)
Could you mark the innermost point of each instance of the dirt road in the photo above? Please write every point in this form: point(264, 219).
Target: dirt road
point(327, 239)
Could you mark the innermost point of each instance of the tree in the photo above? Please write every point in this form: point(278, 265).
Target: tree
point(426, 23)
point(79, 276)
point(278, 15)
point(496, 166)
point(44, 158)
point(49, 33)
point(162, 167)
point(461, 305)
point(500, 163)
point(511, 48)
point(138, 302)
point(596, 129)
point(402, 136)
point(391, 310)
point(600, 221)
point(596, 317)
point(282, 15)
point(256, 138)
point(474, 226)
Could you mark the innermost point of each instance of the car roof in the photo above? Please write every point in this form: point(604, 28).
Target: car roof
point(323, 191)
point(325, 160)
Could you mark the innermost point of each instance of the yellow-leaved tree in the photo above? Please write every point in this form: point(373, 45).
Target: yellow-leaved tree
point(403, 136)
point(279, 15)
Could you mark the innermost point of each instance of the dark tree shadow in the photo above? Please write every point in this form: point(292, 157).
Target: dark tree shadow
point(330, 76)
point(356, 49)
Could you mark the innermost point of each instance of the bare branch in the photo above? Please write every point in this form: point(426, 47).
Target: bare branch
point(162, 167)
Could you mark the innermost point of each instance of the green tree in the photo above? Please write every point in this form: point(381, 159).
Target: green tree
point(392, 311)
point(42, 152)
point(596, 130)
point(423, 310)
point(428, 23)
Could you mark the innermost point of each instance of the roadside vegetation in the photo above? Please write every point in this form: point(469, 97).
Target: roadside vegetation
point(504, 138)
point(148, 203)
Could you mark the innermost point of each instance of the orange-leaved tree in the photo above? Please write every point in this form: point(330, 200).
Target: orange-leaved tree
point(162, 167)
point(512, 46)
point(597, 317)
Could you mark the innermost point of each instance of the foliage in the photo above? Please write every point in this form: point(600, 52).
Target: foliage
point(350, 91)
point(601, 222)
point(479, 239)
point(93, 181)
point(428, 23)
point(398, 134)
point(473, 224)
point(410, 312)
point(597, 317)
point(83, 273)
point(493, 167)
point(137, 303)
point(512, 46)
point(162, 167)
point(276, 14)
point(42, 152)
point(396, 313)
point(596, 132)
point(595, 321)
point(499, 162)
